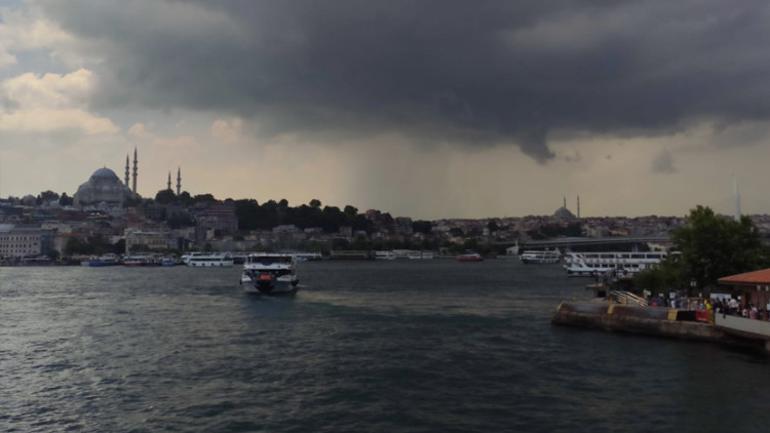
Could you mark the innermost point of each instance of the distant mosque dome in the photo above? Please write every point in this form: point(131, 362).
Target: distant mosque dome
point(105, 174)
point(103, 186)
point(564, 214)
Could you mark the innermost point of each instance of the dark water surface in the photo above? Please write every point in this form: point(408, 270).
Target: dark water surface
point(433, 346)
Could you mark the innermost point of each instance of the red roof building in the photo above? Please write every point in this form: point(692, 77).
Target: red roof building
point(754, 286)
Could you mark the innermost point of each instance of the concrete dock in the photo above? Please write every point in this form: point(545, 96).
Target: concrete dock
point(655, 321)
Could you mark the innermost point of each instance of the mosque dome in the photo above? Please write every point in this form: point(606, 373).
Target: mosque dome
point(103, 186)
point(565, 214)
point(105, 174)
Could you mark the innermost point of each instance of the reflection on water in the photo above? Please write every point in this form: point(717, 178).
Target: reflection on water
point(376, 347)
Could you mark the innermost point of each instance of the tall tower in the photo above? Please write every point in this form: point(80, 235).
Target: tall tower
point(564, 201)
point(578, 206)
point(168, 184)
point(178, 180)
point(737, 199)
point(126, 178)
point(136, 170)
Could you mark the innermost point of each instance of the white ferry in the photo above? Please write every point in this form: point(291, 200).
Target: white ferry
point(420, 255)
point(540, 257)
point(619, 263)
point(385, 255)
point(208, 260)
point(270, 274)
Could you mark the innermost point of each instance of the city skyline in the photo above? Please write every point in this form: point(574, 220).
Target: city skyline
point(410, 109)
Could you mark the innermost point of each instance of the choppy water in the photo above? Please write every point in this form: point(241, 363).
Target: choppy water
point(433, 346)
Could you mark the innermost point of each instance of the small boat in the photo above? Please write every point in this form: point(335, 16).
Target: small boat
point(168, 261)
point(470, 257)
point(270, 274)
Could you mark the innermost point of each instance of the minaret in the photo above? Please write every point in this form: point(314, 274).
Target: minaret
point(168, 184)
point(578, 207)
point(178, 180)
point(136, 170)
point(126, 178)
point(564, 199)
point(737, 199)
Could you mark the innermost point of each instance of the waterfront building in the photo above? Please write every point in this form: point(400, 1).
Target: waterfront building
point(142, 241)
point(219, 218)
point(17, 242)
point(753, 291)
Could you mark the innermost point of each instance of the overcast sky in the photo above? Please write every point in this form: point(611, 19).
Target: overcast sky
point(433, 108)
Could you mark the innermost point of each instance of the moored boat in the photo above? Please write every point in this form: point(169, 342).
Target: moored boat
point(270, 274)
point(208, 260)
point(619, 263)
point(105, 260)
point(540, 257)
point(470, 257)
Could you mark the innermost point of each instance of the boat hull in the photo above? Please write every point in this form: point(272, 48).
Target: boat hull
point(275, 287)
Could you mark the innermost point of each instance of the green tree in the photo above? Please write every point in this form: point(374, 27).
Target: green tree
point(709, 247)
point(165, 196)
point(65, 200)
point(315, 203)
point(47, 196)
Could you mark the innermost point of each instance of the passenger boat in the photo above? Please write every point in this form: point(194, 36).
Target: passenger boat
point(470, 257)
point(420, 255)
point(622, 264)
point(208, 260)
point(540, 257)
point(139, 261)
point(270, 274)
point(385, 255)
point(105, 260)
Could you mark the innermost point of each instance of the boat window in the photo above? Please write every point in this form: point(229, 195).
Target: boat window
point(266, 260)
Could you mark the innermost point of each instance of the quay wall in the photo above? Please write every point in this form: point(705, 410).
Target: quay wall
point(653, 321)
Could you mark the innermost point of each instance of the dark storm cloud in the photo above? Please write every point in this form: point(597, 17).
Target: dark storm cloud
point(473, 72)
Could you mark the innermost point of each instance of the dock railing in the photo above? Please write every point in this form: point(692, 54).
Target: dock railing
point(628, 298)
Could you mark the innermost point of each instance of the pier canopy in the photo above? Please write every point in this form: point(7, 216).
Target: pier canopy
point(754, 286)
point(751, 279)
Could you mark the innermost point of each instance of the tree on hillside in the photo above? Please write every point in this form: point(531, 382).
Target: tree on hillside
point(709, 247)
point(65, 200)
point(47, 196)
point(165, 196)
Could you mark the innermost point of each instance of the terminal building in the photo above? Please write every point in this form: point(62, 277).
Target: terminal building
point(18, 242)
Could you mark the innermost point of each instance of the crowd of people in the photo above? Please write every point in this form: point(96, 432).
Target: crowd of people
point(728, 306)
point(732, 307)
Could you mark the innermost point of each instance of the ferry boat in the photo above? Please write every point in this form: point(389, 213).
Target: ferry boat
point(105, 260)
point(208, 260)
point(622, 264)
point(470, 257)
point(540, 257)
point(139, 261)
point(270, 274)
point(420, 255)
point(385, 255)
